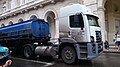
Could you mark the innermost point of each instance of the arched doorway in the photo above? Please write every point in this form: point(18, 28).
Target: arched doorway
point(112, 19)
point(20, 20)
point(10, 23)
point(50, 18)
point(33, 16)
point(2, 25)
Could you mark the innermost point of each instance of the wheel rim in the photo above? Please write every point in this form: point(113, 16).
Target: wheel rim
point(68, 54)
point(27, 52)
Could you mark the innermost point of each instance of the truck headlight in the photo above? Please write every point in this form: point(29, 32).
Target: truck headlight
point(92, 39)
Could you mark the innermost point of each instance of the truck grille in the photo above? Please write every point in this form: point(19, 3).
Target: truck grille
point(99, 41)
point(98, 36)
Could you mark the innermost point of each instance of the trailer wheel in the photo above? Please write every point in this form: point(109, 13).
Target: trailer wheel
point(27, 52)
point(68, 55)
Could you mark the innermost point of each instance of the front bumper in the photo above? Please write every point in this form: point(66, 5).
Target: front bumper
point(94, 50)
point(88, 50)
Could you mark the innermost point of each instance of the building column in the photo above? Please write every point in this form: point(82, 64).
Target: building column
point(102, 22)
point(56, 28)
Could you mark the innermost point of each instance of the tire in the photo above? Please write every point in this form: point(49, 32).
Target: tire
point(68, 55)
point(27, 52)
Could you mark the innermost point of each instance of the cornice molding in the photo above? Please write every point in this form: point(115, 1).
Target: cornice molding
point(26, 8)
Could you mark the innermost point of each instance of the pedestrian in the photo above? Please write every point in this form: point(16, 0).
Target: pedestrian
point(106, 44)
point(117, 40)
point(114, 40)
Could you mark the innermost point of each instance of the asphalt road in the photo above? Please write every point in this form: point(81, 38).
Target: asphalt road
point(104, 60)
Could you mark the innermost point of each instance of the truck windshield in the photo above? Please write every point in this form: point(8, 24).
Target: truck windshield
point(92, 20)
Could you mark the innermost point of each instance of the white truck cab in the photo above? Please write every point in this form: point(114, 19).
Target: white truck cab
point(80, 31)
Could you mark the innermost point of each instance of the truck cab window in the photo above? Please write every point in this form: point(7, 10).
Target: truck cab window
point(92, 20)
point(76, 21)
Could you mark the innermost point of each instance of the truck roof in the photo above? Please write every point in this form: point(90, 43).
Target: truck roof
point(74, 9)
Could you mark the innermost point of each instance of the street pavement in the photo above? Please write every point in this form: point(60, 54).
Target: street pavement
point(21, 62)
point(104, 60)
point(109, 58)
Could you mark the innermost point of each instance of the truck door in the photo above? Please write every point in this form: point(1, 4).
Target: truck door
point(77, 27)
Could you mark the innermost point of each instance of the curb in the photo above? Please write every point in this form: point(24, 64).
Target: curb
point(111, 51)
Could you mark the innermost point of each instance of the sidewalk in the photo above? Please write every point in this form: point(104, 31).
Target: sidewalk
point(112, 49)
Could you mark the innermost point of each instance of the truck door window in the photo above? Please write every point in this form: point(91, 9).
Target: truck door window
point(76, 21)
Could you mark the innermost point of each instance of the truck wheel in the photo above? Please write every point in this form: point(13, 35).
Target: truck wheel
point(27, 52)
point(68, 55)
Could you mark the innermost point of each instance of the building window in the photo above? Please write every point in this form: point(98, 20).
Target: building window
point(33, 16)
point(12, 4)
point(10, 23)
point(26, 1)
point(2, 25)
point(4, 6)
point(22, 2)
point(20, 20)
